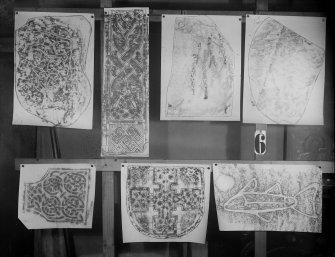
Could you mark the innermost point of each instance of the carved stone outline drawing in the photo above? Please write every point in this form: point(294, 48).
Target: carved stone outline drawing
point(125, 92)
point(265, 204)
point(268, 197)
point(54, 69)
point(200, 71)
point(284, 70)
point(56, 196)
point(164, 202)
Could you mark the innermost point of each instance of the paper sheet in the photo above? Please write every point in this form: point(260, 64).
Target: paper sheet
point(284, 70)
point(125, 92)
point(56, 195)
point(268, 197)
point(54, 57)
point(201, 67)
point(164, 202)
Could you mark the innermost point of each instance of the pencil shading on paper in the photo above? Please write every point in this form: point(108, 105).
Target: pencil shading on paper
point(202, 80)
point(283, 69)
point(268, 197)
point(53, 69)
point(56, 196)
point(162, 202)
point(125, 101)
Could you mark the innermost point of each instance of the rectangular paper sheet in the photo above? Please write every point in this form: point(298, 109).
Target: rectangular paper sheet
point(268, 197)
point(125, 91)
point(284, 70)
point(54, 57)
point(56, 195)
point(164, 202)
point(201, 67)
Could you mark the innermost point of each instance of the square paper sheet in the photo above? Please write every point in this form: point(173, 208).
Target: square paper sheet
point(164, 202)
point(201, 67)
point(268, 197)
point(54, 57)
point(284, 70)
point(56, 195)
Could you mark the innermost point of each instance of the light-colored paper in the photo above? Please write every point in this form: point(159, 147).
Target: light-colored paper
point(284, 70)
point(268, 197)
point(164, 202)
point(200, 67)
point(56, 195)
point(125, 91)
point(54, 57)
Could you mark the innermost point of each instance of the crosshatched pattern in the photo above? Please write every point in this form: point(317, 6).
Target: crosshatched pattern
point(165, 202)
point(125, 104)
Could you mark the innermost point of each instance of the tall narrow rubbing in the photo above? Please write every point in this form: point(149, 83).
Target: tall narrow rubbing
point(125, 103)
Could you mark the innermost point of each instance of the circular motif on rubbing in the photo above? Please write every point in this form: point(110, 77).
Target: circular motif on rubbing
point(74, 183)
point(52, 185)
point(73, 207)
point(51, 206)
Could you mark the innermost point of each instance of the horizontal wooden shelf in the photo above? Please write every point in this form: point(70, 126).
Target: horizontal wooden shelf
point(155, 14)
point(115, 164)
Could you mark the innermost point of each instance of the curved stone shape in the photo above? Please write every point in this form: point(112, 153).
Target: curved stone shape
point(165, 202)
point(283, 67)
point(61, 195)
point(201, 83)
point(51, 82)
